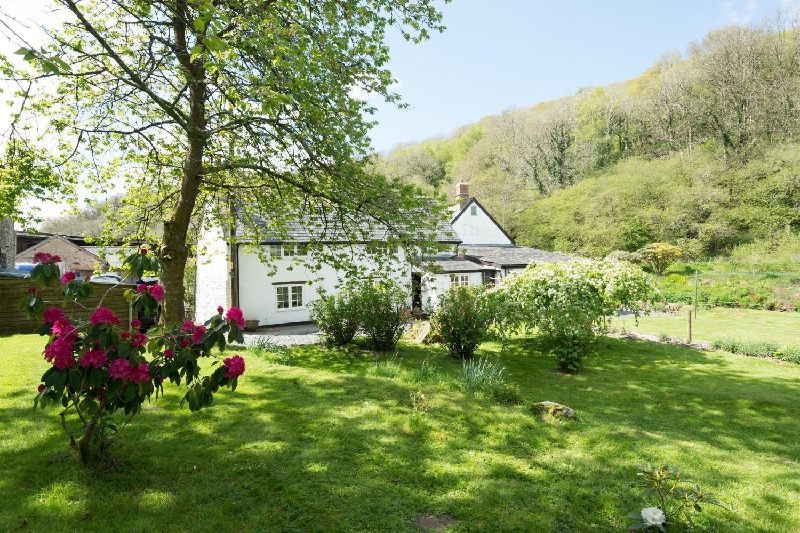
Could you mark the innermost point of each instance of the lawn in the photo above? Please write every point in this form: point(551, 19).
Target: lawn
point(336, 444)
point(720, 323)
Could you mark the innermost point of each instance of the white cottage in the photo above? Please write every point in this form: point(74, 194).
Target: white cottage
point(273, 282)
point(279, 290)
point(485, 256)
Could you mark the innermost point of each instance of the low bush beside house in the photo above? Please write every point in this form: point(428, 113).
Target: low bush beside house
point(463, 320)
point(337, 316)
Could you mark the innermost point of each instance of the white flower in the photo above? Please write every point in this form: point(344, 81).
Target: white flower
point(653, 516)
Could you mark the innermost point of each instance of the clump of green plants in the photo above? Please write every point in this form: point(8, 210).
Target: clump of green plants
point(676, 498)
point(427, 373)
point(790, 354)
point(485, 377)
point(337, 316)
point(388, 368)
point(463, 320)
point(264, 348)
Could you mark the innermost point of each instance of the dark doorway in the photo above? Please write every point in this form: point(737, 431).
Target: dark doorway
point(416, 291)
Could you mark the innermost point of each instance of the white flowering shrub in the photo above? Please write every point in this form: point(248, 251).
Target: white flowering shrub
point(568, 303)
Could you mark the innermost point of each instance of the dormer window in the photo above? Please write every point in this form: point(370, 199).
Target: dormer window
point(473, 210)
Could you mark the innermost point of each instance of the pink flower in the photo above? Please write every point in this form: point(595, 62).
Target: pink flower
point(187, 326)
point(67, 277)
point(95, 358)
point(58, 349)
point(185, 341)
point(42, 257)
point(234, 366)
point(56, 259)
point(198, 334)
point(142, 288)
point(103, 315)
point(168, 354)
point(136, 324)
point(53, 314)
point(143, 251)
point(220, 310)
point(139, 340)
point(87, 278)
point(157, 292)
point(120, 369)
point(125, 335)
point(33, 290)
point(234, 314)
point(140, 374)
point(63, 329)
point(41, 387)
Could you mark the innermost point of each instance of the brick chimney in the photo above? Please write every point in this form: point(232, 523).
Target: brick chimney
point(462, 193)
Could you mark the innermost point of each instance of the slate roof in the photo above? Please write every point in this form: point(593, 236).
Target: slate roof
point(513, 256)
point(319, 229)
point(449, 263)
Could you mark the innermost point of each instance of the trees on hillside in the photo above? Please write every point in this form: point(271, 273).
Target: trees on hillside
point(213, 107)
point(733, 96)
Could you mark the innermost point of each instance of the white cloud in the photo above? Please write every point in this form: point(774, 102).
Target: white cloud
point(734, 13)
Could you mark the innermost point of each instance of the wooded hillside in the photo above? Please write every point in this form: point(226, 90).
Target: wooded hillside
point(698, 151)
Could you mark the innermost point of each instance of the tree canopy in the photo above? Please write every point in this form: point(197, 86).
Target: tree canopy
point(218, 109)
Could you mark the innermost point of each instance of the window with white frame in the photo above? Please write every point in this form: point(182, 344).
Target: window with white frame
point(275, 251)
point(291, 250)
point(380, 248)
point(459, 279)
point(289, 296)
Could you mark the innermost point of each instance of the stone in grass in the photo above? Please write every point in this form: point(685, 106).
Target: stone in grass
point(553, 408)
point(434, 523)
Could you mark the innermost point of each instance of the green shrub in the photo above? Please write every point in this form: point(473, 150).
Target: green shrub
point(337, 316)
point(790, 354)
point(463, 320)
point(659, 255)
point(382, 311)
point(569, 302)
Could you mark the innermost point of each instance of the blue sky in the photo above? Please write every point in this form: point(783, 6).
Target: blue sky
point(501, 54)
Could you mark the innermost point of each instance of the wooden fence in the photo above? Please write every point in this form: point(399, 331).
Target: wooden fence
point(13, 289)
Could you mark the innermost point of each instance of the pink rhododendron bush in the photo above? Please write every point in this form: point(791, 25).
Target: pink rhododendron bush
point(103, 370)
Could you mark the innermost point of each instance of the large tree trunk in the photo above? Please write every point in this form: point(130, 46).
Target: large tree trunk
point(8, 243)
point(174, 248)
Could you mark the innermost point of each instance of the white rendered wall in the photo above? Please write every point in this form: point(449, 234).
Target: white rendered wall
point(478, 228)
point(212, 281)
point(257, 285)
point(434, 285)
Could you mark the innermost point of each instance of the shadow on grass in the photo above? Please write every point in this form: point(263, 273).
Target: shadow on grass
point(298, 450)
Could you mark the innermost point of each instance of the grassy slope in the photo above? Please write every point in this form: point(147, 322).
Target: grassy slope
point(335, 445)
point(720, 323)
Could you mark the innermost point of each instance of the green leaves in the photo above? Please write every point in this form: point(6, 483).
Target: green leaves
point(568, 302)
point(48, 64)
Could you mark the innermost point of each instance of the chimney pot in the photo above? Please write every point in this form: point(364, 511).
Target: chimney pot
point(462, 193)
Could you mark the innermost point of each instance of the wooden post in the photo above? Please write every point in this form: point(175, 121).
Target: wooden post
point(690, 325)
point(695, 293)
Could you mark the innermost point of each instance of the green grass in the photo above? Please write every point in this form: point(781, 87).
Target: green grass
point(720, 323)
point(335, 444)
